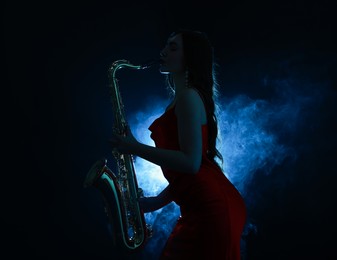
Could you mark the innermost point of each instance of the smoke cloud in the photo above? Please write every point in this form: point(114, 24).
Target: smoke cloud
point(250, 136)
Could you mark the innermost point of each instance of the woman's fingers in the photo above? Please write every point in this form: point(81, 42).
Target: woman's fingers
point(122, 143)
point(114, 141)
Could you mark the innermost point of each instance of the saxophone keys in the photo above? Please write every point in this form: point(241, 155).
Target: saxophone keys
point(149, 230)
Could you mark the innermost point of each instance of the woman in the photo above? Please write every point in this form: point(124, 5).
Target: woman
point(213, 213)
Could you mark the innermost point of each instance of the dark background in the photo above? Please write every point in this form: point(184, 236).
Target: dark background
point(56, 105)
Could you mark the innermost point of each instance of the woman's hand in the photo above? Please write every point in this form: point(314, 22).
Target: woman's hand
point(149, 204)
point(123, 144)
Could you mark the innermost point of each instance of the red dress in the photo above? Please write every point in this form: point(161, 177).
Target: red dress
point(213, 212)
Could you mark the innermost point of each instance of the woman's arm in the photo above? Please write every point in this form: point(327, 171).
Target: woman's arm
point(149, 204)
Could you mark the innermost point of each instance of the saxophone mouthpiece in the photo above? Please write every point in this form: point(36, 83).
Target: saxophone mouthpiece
point(150, 63)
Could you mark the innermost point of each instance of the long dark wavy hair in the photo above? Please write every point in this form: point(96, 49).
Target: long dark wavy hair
point(199, 58)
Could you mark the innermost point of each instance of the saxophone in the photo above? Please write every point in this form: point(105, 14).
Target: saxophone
point(120, 191)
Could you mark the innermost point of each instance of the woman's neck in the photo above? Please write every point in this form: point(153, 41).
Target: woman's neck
point(179, 81)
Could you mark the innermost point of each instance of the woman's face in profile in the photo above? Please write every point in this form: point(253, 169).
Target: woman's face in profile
point(172, 56)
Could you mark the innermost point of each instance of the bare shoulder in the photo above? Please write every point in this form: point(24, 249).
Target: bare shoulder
point(190, 102)
point(189, 98)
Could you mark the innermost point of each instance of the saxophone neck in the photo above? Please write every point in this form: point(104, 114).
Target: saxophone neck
point(119, 64)
point(150, 63)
